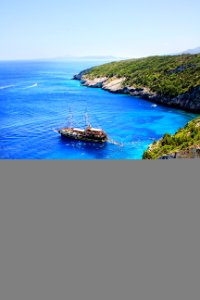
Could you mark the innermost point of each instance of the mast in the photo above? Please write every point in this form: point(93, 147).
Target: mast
point(69, 118)
point(87, 121)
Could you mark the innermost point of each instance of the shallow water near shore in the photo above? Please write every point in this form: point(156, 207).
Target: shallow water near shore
point(34, 101)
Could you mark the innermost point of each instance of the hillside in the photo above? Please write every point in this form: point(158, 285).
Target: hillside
point(183, 142)
point(170, 80)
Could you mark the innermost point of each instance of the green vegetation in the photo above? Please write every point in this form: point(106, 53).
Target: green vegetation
point(184, 139)
point(165, 75)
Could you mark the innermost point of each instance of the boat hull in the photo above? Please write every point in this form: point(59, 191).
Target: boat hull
point(83, 136)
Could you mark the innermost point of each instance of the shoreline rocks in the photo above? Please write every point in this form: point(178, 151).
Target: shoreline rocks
point(188, 101)
point(189, 153)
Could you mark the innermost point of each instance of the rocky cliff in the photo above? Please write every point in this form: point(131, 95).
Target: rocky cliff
point(168, 80)
point(190, 100)
point(185, 143)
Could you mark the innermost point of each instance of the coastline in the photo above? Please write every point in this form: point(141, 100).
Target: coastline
point(188, 101)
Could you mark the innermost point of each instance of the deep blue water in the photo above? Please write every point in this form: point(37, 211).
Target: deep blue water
point(34, 100)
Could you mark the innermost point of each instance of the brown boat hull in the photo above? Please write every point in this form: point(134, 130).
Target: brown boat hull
point(83, 136)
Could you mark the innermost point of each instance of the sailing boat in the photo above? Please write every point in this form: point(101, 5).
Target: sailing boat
point(88, 134)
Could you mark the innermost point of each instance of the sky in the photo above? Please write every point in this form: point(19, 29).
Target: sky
point(35, 29)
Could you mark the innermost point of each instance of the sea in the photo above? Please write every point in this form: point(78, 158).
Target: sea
point(36, 97)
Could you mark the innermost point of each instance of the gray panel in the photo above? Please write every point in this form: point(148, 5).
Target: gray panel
point(99, 230)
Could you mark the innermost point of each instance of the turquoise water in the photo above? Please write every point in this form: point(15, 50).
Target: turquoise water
point(34, 100)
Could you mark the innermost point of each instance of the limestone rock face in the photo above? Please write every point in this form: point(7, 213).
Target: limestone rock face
point(114, 85)
point(189, 100)
point(95, 83)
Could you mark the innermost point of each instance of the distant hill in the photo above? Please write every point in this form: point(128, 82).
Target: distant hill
point(88, 58)
point(192, 51)
point(100, 57)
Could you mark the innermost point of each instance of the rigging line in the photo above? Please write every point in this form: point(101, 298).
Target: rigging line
point(69, 117)
point(87, 121)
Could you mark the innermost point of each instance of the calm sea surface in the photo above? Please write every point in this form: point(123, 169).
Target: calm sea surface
point(34, 100)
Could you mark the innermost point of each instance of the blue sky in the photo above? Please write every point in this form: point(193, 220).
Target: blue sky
point(129, 28)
